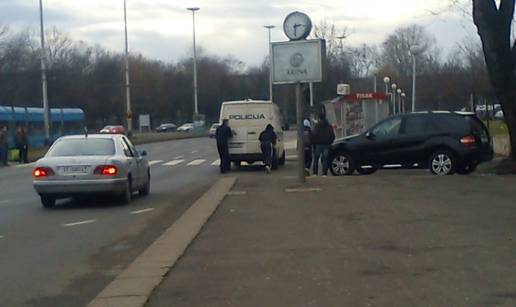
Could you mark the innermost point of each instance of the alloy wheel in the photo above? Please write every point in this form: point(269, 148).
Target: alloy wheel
point(442, 164)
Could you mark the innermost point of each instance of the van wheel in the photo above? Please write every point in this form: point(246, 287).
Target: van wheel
point(282, 159)
point(275, 162)
point(237, 163)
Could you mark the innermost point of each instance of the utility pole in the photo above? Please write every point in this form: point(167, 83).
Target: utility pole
point(270, 27)
point(300, 132)
point(46, 111)
point(128, 114)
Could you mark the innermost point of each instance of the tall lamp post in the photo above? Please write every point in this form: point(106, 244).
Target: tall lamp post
point(394, 86)
point(413, 51)
point(196, 106)
point(44, 76)
point(386, 80)
point(269, 28)
point(399, 91)
point(129, 115)
point(403, 95)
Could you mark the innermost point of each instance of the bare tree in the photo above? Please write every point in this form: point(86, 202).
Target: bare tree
point(494, 20)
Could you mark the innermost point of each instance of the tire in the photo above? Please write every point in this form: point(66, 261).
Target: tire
point(48, 202)
point(342, 164)
point(237, 163)
point(282, 159)
point(442, 163)
point(146, 188)
point(275, 162)
point(466, 169)
point(367, 171)
point(125, 197)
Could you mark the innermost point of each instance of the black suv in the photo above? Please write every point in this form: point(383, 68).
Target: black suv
point(444, 142)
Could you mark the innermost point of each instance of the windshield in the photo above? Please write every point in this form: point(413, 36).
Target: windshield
point(82, 147)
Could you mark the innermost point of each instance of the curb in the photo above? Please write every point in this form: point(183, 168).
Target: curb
point(134, 285)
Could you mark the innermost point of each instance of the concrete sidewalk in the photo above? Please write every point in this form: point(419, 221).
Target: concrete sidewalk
point(395, 238)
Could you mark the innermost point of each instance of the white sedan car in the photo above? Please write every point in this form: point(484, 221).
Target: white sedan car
point(188, 127)
point(86, 164)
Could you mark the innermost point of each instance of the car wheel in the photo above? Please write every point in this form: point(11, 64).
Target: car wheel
point(146, 188)
point(126, 196)
point(282, 159)
point(466, 169)
point(48, 201)
point(367, 169)
point(342, 164)
point(442, 163)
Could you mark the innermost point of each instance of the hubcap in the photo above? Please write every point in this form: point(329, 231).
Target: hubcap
point(441, 164)
point(340, 165)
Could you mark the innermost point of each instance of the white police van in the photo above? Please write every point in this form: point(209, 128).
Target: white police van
point(248, 118)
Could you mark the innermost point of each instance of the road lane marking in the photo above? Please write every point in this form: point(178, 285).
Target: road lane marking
point(174, 162)
point(79, 223)
point(195, 151)
point(151, 163)
point(216, 163)
point(196, 162)
point(236, 193)
point(141, 211)
point(303, 190)
point(179, 157)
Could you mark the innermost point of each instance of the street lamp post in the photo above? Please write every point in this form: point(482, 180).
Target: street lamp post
point(44, 76)
point(269, 28)
point(399, 91)
point(386, 80)
point(196, 107)
point(413, 51)
point(403, 95)
point(394, 86)
point(129, 115)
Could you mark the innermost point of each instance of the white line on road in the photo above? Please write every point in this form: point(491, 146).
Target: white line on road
point(151, 163)
point(216, 163)
point(195, 151)
point(179, 157)
point(79, 223)
point(196, 162)
point(174, 162)
point(141, 211)
point(303, 190)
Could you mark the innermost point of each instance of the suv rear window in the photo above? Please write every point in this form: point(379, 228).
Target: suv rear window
point(82, 147)
point(477, 126)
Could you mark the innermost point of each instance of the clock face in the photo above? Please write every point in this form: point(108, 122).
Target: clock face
point(297, 26)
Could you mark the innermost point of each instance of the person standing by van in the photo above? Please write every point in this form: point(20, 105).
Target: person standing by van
point(4, 150)
point(268, 139)
point(223, 134)
point(323, 137)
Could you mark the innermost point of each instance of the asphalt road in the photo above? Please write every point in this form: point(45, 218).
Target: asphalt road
point(65, 256)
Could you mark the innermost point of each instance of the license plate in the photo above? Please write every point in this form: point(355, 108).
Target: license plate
point(74, 169)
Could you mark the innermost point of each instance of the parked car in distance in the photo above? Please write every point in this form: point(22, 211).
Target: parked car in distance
point(444, 142)
point(188, 127)
point(113, 129)
point(168, 127)
point(213, 130)
point(91, 164)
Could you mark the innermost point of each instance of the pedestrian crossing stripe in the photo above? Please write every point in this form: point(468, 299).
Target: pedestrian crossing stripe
point(151, 163)
point(196, 162)
point(174, 162)
point(216, 163)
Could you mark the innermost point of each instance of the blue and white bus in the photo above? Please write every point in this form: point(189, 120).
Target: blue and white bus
point(64, 121)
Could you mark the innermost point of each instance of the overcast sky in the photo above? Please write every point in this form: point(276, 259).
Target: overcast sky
point(163, 28)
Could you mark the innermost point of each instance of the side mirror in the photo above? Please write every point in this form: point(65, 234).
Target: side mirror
point(143, 153)
point(369, 135)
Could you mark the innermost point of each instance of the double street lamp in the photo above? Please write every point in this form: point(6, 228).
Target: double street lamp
point(196, 107)
point(394, 86)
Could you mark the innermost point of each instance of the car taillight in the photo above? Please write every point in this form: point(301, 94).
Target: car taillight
point(42, 172)
point(107, 170)
point(468, 140)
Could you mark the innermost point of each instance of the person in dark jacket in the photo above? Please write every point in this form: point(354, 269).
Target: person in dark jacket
point(323, 136)
point(22, 144)
point(222, 135)
point(4, 149)
point(268, 139)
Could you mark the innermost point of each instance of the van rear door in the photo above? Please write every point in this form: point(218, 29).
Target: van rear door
point(234, 112)
point(259, 116)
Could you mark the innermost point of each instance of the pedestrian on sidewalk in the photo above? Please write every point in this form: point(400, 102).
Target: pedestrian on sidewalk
point(4, 148)
point(307, 145)
point(268, 140)
point(222, 135)
point(22, 144)
point(323, 136)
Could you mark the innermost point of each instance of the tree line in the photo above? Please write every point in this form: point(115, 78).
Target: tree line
point(91, 77)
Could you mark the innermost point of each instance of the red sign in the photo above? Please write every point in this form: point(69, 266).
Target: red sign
point(364, 96)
